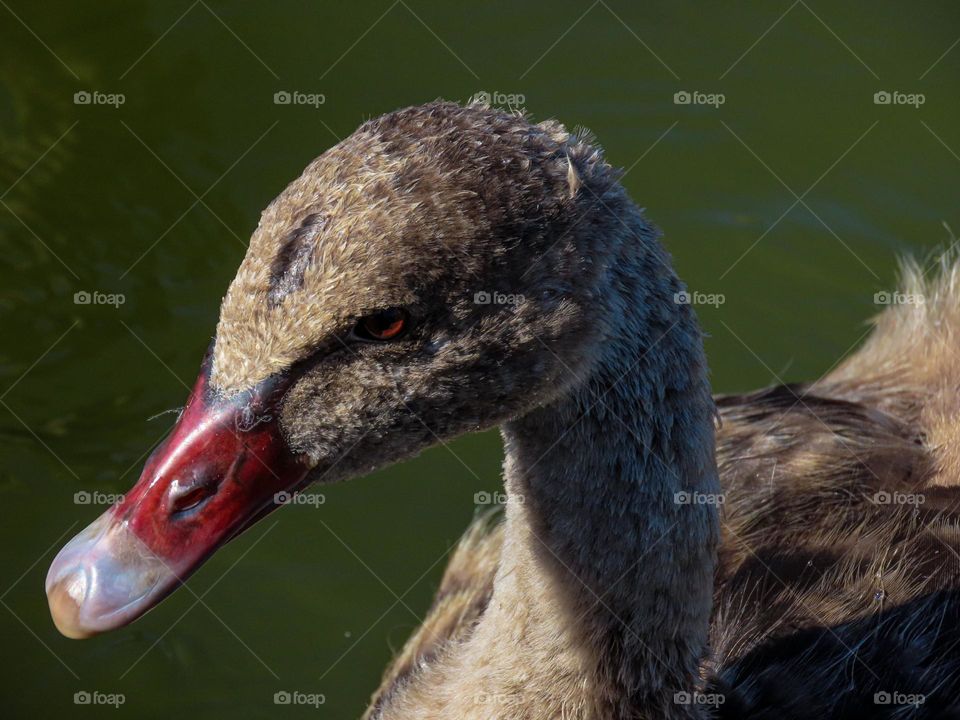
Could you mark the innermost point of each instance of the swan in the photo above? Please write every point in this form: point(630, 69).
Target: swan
point(790, 553)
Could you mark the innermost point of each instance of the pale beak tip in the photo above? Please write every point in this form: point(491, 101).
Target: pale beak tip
point(104, 578)
point(65, 605)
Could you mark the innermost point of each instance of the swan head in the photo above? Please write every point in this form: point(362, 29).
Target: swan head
point(440, 271)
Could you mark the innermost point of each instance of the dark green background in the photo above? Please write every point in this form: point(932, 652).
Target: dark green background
point(308, 600)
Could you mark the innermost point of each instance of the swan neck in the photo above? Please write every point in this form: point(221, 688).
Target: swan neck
point(612, 492)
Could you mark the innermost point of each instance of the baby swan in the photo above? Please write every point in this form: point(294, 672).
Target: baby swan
point(447, 269)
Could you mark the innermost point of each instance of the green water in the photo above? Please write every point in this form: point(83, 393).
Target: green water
point(103, 198)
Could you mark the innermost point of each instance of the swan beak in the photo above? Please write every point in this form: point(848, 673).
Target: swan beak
point(104, 578)
point(223, 467)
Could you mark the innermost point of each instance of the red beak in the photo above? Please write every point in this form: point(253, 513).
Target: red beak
point(216, 474)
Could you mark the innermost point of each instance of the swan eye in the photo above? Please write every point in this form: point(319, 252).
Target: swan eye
point(382, 325)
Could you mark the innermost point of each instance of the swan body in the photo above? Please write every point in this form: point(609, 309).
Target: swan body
point(796, 559)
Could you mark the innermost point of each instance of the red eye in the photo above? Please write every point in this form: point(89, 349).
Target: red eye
point(386, 324)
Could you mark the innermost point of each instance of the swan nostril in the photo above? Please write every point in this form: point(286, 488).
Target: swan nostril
point(192, 497)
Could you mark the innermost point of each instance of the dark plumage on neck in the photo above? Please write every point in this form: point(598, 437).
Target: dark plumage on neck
point(595, 475)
